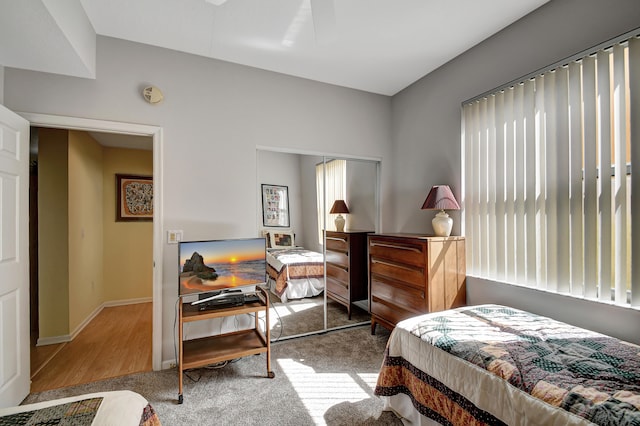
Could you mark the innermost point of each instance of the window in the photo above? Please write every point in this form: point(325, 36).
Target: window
point(550, 197)
point(334, 173)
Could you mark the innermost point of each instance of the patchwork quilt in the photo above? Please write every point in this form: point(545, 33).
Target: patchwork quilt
point(72, 413)
point(120, 408)
point(492, 364)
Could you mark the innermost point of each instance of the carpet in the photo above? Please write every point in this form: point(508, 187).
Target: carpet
point(325, 379)
point(307, 315)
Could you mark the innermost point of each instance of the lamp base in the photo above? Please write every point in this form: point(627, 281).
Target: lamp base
point(340, 223)
point(442, 224)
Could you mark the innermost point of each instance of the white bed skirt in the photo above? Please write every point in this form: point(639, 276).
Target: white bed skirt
point(299, 288)
point(402, 406)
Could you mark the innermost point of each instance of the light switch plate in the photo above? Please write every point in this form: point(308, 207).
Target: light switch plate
point(174, 237)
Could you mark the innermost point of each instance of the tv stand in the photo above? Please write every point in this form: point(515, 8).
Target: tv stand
point(223, 347)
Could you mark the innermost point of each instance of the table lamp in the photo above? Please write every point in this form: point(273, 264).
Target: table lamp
point(339, 206)
point(441, 198)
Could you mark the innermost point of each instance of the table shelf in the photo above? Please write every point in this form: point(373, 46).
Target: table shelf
point(214, 349)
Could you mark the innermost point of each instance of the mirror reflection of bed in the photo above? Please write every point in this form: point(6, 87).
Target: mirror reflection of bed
point(300, 304)
point(299, 308)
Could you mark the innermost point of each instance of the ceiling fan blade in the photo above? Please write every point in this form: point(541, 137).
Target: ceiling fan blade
point(324, 20)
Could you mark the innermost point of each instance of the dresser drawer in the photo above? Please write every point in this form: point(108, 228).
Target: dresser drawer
point(337, 273)
point(337, 288)
point(407, 251)
point(411, 275)
point(390, 313)
point(338, 242)
point(396, 294)
point(338, 258)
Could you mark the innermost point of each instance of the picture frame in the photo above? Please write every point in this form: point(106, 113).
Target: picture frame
point(134, 198)
point(275, 205)
point(282, 239)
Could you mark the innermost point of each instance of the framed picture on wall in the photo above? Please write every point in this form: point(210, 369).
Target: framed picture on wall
point(134, 198)
point(275, 205)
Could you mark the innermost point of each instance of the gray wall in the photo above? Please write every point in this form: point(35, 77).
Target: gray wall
point(426, 129)
point(361, 196)
point(277, 168)
point(309, 208)
point(213, 117)
point(1, 85)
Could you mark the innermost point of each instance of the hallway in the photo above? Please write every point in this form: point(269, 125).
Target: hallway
point(115, 343)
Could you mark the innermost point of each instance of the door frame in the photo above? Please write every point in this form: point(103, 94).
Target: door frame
point(155, 132)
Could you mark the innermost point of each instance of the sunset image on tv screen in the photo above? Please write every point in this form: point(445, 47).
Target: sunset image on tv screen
point(207, 266)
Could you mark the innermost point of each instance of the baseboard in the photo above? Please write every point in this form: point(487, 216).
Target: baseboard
point(86, 321)
point(127, 302)
point(69, 337)
point(169, 364)
point(54, 340)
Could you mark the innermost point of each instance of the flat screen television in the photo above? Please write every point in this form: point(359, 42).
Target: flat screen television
point(216, 266)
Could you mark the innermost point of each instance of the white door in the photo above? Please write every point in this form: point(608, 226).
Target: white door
point(14, 258)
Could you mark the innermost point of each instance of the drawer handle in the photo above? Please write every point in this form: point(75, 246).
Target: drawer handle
point(335, 265)
point(344, 240)
point(396, 247)
point(396, 265)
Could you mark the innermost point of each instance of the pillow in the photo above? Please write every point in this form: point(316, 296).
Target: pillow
point(265, 234)
point(281, 239)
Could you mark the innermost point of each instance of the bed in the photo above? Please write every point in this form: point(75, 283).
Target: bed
point(496, 365)
point(120, 408)
point(295, 272)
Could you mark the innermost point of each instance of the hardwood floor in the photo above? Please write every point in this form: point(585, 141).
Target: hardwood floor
point(115, 343)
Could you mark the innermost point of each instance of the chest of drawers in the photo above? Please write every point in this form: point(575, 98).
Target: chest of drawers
point(412, 274)
point(347, 267)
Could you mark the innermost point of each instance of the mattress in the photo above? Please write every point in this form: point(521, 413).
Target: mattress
point(496, 365)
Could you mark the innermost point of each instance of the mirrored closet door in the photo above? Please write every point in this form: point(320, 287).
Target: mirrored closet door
point(317, 267)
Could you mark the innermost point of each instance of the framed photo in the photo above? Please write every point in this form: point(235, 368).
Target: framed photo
point(275, 205)
point(281, 239)
point(134, 195)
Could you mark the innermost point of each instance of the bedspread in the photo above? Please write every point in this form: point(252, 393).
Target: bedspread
point(120, 408)
point(293, 263)
point(513, 367)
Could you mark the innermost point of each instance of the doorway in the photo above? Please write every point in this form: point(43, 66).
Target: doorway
point(91, 263)
point(124, 129)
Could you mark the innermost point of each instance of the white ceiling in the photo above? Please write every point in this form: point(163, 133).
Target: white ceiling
point(379, 46)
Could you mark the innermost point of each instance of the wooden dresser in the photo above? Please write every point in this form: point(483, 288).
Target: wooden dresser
point(412, 274)
point(347, 267)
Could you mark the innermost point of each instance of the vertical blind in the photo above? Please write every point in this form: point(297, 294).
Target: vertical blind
point(334, 173)
point(550, 199)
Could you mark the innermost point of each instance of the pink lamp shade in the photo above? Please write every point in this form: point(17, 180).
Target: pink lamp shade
point(339, 206)
point(441, 198)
